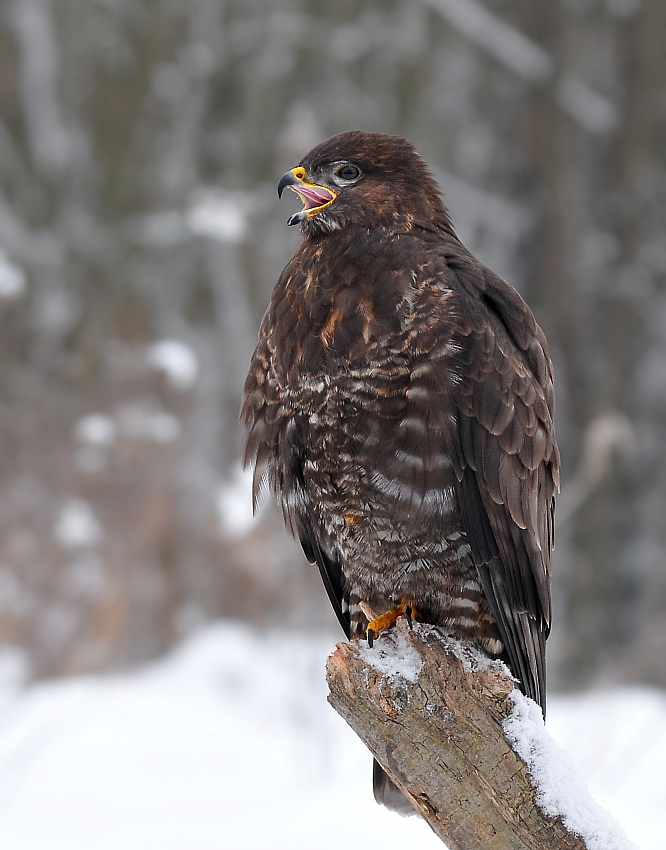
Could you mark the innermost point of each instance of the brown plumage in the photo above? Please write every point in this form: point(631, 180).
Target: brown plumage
point(400, 405)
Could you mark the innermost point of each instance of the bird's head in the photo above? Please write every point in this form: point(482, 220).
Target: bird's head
point(364, 179)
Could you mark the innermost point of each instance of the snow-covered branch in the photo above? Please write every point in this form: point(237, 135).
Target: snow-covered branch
point(469, 751)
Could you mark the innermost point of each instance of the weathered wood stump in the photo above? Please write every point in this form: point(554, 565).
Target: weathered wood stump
point(431, 710)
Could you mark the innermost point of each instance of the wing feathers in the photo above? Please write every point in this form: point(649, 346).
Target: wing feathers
point(507, 464)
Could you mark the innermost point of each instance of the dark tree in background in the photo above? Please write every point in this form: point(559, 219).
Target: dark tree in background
point(140, 238)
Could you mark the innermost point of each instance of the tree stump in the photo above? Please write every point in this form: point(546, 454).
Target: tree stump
point(431, 711)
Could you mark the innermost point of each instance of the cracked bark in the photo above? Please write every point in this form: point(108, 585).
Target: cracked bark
point(440, 739)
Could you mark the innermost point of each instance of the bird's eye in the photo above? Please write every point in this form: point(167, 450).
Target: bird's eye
point(348, 172)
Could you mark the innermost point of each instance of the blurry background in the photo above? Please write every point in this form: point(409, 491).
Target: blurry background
point(140, 237)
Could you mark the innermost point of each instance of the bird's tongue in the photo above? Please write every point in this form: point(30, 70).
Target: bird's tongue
point(313, 196)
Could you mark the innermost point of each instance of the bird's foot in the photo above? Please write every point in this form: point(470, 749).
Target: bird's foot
point(385, 621)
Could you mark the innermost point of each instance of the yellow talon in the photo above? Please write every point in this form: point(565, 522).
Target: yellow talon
point(385, 621)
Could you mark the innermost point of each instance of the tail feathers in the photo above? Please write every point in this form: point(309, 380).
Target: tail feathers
point(388, 794)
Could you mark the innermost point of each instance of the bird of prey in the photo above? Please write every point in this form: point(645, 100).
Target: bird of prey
point(400, 405)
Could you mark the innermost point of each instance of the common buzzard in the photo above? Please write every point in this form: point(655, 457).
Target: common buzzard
point(400, 405)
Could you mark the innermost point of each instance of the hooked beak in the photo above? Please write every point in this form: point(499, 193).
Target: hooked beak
point(313, 196)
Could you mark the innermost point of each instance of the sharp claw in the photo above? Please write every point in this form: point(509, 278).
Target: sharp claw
point(408, 615)
point(370, 634)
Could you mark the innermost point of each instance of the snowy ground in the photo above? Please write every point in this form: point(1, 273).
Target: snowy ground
point(229, 743)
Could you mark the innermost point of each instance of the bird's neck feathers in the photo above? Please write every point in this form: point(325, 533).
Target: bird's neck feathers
point(328, 230)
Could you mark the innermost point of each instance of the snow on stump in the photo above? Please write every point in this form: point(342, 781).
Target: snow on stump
point(468, 749)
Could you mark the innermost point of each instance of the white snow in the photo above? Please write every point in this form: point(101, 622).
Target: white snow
point(213, 213)
point(139, 423)
point(472, 658)
point(96, 429)
point(561, 789)
point(132, 421)
point(176, 360)
point(234, 503)
point(393, 656)
point(12, 278)
point(77, 526)
point(230, 744)
point(617, 740)
point(14, 670)
point(220, 215)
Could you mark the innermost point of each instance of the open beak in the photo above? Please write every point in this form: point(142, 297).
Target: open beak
point(313, 197)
